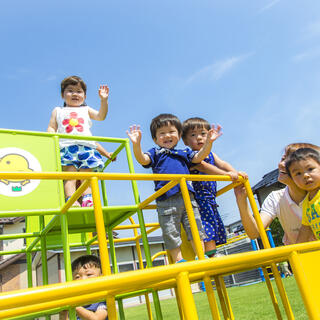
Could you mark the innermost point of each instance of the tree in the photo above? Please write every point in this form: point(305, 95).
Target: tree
point(277, 232)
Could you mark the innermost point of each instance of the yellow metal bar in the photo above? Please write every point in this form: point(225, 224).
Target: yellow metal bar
point(256, 214)
point(226, 297)
point(135, 226)
point(227, 188)
point(272, 293)
point(160, 253)
point(282, 292)
point(310, 301)
point(211, 298)
point(192, 221)
point(51, 304)
point(102, 239)
point(130, 281)
point(148, 304)
point(185, 294)
point(158, 193)
point(64, 175)
point(222, 299)
point(139, 253)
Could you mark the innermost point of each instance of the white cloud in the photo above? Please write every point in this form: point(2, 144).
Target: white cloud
point(312, 30)
point(309, 54)
point(268, 6)
point(217, 70)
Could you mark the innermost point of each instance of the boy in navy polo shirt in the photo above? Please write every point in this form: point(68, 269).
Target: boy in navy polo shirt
point(166, 130)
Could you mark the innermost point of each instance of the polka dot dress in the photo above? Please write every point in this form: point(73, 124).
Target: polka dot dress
point(205, 194)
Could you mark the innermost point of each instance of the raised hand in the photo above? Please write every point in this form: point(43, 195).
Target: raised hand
point(214, 133)
point(104, 92)
point(134, 134)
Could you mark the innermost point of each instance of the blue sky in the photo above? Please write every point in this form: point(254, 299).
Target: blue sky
point(251, 66)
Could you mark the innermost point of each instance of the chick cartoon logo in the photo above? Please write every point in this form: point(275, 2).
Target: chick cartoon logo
point(17, 160)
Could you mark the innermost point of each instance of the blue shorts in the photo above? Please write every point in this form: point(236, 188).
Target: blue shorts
point(81, 157)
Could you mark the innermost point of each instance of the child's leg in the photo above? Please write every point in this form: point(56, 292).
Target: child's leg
point(186, 225)
point(70, 185)
point(213, 226)
point(194, 247)
point(175, 254)
point(87, 200)
point(210, 248)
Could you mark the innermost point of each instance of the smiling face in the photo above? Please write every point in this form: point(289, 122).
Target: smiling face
point(86, 271)
point(283, 177)
point(196, 138)
point(306, 175)
point(167, 137)
point(74, 95)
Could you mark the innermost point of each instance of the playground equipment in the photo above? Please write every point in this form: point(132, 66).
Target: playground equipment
point(52, 223)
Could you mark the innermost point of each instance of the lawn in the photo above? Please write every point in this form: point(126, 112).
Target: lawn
point(248, 303)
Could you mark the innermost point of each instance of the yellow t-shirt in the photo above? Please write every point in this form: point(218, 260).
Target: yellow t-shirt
point(311, 213)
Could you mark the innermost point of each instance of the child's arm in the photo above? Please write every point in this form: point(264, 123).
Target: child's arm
point(85, 314)
point(102, 113)
point(305, 234)
point(213, 134)
point(248, 221)
point(104, 152)
point(228, 169)
point(134, 135)
point(53, 126)
point(63, 315)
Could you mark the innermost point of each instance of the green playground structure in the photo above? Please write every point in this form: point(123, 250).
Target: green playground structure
point(31, 186)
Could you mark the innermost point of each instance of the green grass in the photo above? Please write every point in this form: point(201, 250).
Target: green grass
point(248, 303)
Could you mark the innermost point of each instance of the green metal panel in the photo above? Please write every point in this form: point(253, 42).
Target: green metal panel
point(20, 152)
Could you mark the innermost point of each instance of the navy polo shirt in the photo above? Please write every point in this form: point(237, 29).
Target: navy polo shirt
point(93, 307)
point(167, 161)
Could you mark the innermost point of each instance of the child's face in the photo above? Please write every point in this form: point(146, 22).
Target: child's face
point(74, 95)
point(306, 174)
point(85, 272)
point(167, 137)
point(196, 138)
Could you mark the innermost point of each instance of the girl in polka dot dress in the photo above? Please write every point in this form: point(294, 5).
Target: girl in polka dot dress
point(75, 118)
point(194, 135)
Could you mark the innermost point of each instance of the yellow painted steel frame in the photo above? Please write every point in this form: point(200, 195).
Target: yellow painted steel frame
point(74, 293)
point(30, 300)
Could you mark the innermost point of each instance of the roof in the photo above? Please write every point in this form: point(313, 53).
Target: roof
point(11, 220)
point(269, 179)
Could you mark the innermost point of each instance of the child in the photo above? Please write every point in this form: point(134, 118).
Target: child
point(303, 166)
point(194, 135)
point(75, 118)
point(84, 267)
point(166, 132)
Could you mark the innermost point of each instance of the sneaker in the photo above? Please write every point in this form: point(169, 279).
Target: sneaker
point(87, 201)
point(181, 260)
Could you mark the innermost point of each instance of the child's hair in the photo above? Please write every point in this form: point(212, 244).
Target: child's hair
point(163, 120)
point(194, 123)
point(73, 81)
point(295, 146)
point(86, 261)
point(300, 155)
